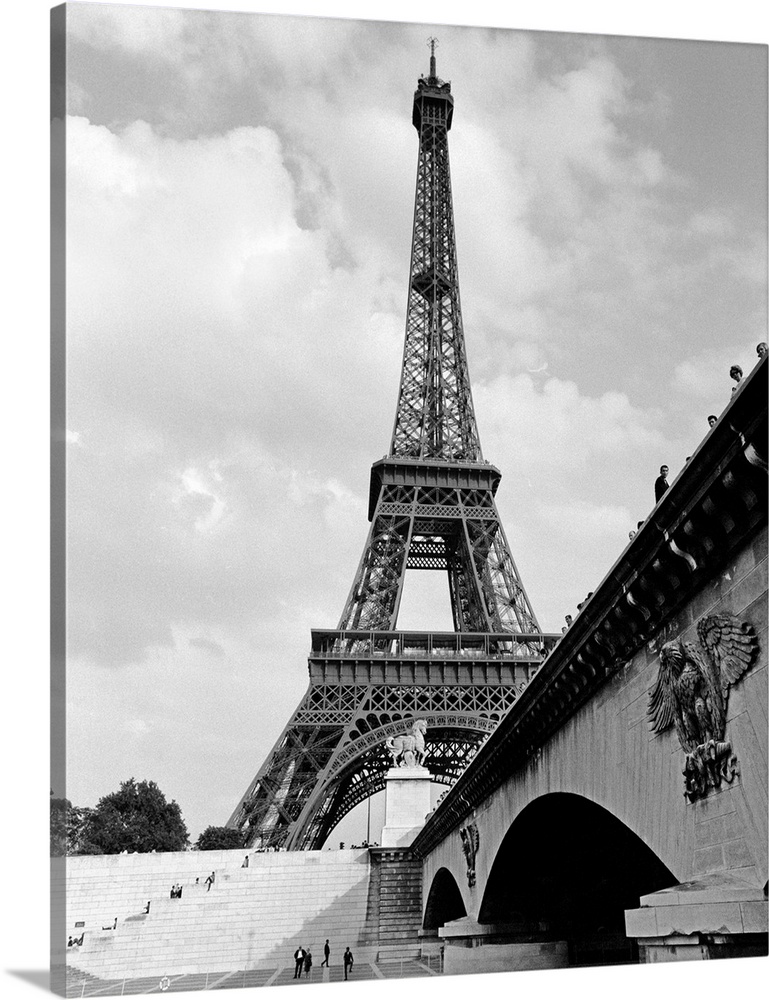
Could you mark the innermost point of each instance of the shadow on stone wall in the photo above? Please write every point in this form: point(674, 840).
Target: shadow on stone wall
point(334, 923)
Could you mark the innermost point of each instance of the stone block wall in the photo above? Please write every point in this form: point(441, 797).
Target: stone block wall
point(255, 916)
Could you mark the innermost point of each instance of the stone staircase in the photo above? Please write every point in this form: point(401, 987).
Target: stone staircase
point(397, 884)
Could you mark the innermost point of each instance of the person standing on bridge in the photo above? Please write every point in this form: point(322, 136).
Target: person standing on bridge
point(299, 962)
point(661, 483)
point(326, 953)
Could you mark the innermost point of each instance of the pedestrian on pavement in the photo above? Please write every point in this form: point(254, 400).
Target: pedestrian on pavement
point(308, 962)
point(299, 962)
point(326, 953)
point(348, 962)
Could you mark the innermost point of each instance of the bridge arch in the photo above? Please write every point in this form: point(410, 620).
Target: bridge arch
point(566, 870)
point(444, 901)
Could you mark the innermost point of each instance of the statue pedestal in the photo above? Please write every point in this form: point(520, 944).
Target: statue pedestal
point(407, 803)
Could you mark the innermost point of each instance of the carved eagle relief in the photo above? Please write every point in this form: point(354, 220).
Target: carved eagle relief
point(692, 692)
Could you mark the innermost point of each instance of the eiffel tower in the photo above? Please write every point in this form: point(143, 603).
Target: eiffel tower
point(431, 507)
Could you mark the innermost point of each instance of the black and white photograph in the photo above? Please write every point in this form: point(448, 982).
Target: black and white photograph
point(408, 503)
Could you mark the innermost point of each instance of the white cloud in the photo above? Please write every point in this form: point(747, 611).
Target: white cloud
point(210, 504)
point(157, 30)
point(556, 427)
point(136, 727)
point(705, 376)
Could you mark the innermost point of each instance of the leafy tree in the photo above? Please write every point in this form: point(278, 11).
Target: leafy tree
point(59, 811)
point(77, 820)
point(135, 818)
point(67, 827)
point(220, 838)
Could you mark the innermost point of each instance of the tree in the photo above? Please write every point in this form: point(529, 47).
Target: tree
point(220, 838)
point(67, 823)
point(135, 818)
point(77, 821)
point(59, 811)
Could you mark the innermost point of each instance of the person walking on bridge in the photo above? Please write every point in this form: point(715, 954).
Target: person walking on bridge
point(348, 962)
point(326, 953)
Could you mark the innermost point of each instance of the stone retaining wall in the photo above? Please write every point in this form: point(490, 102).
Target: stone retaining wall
point(251, 916)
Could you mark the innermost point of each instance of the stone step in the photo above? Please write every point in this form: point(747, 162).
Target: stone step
point(399, 911)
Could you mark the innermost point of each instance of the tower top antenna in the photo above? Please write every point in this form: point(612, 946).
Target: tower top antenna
point(432, 42)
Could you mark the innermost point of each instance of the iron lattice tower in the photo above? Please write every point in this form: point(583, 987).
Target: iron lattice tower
point(431, 506)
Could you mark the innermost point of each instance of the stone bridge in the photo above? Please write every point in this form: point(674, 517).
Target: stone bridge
point(574, 837)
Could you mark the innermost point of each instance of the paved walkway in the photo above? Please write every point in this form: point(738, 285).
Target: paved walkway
point(81, 984)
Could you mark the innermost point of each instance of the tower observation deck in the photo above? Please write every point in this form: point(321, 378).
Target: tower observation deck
point(431, 507)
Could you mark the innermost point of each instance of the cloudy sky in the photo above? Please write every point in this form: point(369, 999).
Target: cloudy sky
point(240, 197)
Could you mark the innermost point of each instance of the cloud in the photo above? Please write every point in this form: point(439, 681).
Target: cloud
point(208, 332)
point(705, 376)
point(203, 503)
point(136, 727)
point(208, 646)
point(577, 473)
point(555, 428)
point(151, 30)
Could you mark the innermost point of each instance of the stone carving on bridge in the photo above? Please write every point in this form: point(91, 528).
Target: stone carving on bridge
point(692, 691)
point(409, 751)
point(470, 842)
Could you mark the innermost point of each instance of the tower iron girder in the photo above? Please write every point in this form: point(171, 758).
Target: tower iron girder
point(431, 507)
point(337, 734)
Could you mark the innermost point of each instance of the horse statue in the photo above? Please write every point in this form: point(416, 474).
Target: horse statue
point(409, 751)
